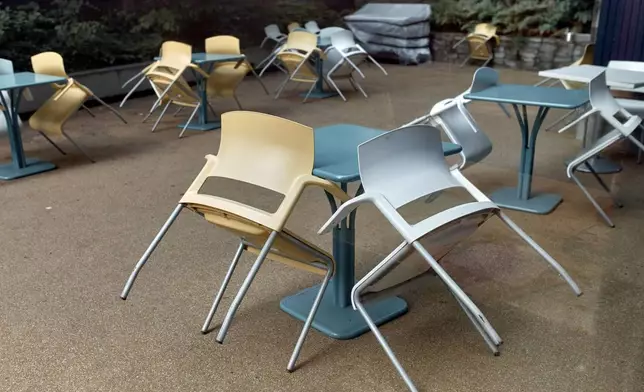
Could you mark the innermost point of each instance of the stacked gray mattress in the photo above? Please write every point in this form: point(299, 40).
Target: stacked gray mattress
point(398, 31)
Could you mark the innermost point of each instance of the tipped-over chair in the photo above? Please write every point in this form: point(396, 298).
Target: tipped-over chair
point(285, 167)
point(407, 164)
point(51, 63)
point(635, 106)
point(226, 76)
point(296, 56)
point(623, 124)
point(481, 43)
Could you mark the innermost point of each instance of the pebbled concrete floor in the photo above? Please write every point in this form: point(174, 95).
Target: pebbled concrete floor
point(70, 237)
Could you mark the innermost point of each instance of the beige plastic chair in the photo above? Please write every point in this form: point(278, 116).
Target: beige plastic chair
point(287, 155)
point(296, 56)
point(49, 120)
point(481, 43)
point(225, 77)
point(51, 63)
point(292, 26)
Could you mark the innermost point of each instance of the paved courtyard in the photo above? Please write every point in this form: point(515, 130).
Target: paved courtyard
point(70, 237)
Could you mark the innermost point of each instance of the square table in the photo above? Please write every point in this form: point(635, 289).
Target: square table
point(336, 159)
point(545, 98)
point(617, 78)
point(14, 84)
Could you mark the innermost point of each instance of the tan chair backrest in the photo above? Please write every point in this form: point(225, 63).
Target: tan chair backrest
point(223, 44)
point(486, 29)
point(176, 54)
point(302, 41)
point(179, 92)
point(54, 113)
point(49, 63)
point(292, 26)
point(587, 57)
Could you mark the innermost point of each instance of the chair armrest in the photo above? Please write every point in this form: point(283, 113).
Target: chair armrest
point(345, 209)
point(61, 92)
point(582, 117)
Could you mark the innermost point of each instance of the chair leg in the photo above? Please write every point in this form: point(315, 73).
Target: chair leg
point(259, 79)
point(132, 91)
point(458, 292)
point(78, 147)
point(156, 123)
point(89, 111)
point(189, 120)
point(385, 346)
point(222, 289)
point(178, 111)
point(466, 61)
point(154, 107)
point(592, 200)
point(488, 340)
point(237, 100)
point(281, 86)
point(639, 144)
point(309, 320)
point(358, 86)
point(148, 252)
point(110, 108)
point(244, 288)
point(603, 184)
point(309, 92)
point(60, 150)
point(377, 64)
point(263, 42)
point(335, 87)
point(553, 263)
point(212, 110)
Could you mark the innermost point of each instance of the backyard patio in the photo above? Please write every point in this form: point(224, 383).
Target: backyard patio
point(71, 236)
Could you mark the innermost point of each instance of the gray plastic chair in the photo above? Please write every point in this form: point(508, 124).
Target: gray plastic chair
point(483, 78)
point(458, 124)
point(405, 165)
point(623, 123)
point(340, 66)
point(312, 27)
point(634, 106)
point(6, 68)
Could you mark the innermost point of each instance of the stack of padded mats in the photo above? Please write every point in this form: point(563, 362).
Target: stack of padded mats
point(399, 31)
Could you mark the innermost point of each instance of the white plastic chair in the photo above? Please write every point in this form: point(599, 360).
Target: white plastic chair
point(344, 42)
point(312, 27)
point(456, 121)
point(635, 106)
point(339, 66)
point(6, 68)
point(273, 33)
point(623, 123)
point(404, 165)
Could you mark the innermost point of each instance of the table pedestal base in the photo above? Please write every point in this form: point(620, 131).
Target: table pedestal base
point(10, 172)
point(202, 127)
point(542, 203)
point(320, 94)
point(342, 323)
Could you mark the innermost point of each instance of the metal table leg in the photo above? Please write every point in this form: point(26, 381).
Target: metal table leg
point(336, 317)
point(521, 197)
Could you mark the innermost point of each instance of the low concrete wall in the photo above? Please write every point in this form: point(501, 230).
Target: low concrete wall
point(531, 53)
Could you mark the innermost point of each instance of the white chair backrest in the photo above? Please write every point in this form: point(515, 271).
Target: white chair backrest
point(602, 100)
point(312, 26)
point(460, 127)
point(405, 164)
point(273, 31)
point(344, 41)
point(327, 32)
point(484, 78)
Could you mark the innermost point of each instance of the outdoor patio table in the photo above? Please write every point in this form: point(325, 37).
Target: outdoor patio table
point(318, 91)
point(617, 79)
point(545, 98)
point(206, 61)
point(14, 84)
point(336, 159)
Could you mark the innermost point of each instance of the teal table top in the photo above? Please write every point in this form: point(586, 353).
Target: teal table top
point(26, 79)
point(336, 151)
point(199, 58)
point(519, 94)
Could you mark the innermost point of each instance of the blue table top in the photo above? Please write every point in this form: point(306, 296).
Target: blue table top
point(204, 58)
point(26, 79)
point(551, 97)
point(336, 151)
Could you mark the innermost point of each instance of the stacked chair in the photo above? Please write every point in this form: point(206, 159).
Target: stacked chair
point(296, 55)
point(623, 123)
point(225, 77)
point(481, 43)
point(343, 59)
point(49, 120)
point(287, 155)
point(407, 164)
